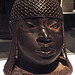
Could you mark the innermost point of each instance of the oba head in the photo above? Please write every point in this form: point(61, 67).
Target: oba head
point(38, 24)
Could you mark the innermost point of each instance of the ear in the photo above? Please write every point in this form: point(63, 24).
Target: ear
point(59, 1)
point(63, 35)
point(10, 28)
point(13, 28)
point(13, 31)
point(64, 48)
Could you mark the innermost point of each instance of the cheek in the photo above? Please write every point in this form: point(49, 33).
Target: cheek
point(59, 44)
point(27, 40)
point(60, 37)
point(59, 41)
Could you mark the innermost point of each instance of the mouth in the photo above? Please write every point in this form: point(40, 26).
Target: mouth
point(46, 52)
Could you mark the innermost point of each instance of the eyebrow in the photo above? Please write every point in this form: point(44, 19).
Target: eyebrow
point(33, 21)
point(54, 22)
point(30, 23)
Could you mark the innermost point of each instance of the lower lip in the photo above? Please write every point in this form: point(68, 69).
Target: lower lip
point(46, 54)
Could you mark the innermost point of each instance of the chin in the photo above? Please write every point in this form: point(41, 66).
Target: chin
point(44, 62)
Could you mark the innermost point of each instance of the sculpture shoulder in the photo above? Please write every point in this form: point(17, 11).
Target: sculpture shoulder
point(60, 70)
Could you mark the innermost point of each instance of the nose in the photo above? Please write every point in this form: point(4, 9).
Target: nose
point(44, 37)
point(44, 40)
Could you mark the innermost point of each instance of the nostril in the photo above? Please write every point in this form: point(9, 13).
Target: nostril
point(44, 40)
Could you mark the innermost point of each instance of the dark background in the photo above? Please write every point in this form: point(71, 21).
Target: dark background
point(5, 9)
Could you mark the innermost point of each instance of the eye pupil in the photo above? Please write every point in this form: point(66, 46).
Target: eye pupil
point(55, 26)
point(30, 25)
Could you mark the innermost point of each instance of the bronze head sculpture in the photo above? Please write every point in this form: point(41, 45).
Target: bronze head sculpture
point(38, 44)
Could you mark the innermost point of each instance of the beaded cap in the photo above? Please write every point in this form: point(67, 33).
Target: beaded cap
point(36, 8)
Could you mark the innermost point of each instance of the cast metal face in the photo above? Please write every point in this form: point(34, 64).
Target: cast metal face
point(40, 40)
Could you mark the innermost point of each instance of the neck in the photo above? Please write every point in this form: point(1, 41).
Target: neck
point(37, 69)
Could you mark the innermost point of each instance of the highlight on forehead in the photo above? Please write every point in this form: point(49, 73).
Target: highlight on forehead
point(36, 8)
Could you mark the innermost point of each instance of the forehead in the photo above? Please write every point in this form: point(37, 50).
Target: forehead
point(36, 21)
point(48, 20)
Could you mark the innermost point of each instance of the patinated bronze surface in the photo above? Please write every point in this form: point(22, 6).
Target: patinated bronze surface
point(38, 44)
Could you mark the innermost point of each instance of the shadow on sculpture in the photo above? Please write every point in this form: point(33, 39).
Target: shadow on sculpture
point(38, 42)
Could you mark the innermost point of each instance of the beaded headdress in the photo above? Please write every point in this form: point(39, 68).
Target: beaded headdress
point(36, 8)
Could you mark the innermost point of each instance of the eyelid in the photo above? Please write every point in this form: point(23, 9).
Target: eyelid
point(30, 23)
point(56, 25)
point(54, 29)
point(53, 24)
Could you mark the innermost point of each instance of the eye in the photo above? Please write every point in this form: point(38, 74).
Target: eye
point(30, 25)
point(54, 26)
